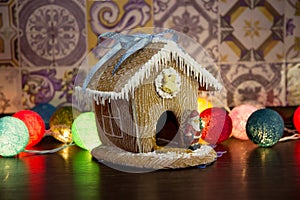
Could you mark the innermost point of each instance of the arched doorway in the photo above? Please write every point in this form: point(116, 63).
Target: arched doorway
point(167, 130)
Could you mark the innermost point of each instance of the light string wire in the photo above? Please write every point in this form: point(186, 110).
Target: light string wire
point(49, 133)
point(51, 150)
point(295, 135)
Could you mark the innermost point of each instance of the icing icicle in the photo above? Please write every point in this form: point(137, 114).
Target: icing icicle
point(170, 52)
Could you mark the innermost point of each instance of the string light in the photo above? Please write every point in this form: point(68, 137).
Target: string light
point(217, 125)
point(84, 131)
point(61, 122)
point(265, 127)
point(61, 133)
point(296, 118)
point(45, 110)
point(62, 116)
point(35, 125)
point(239, 116)
point(25, 129)
point(14, 136)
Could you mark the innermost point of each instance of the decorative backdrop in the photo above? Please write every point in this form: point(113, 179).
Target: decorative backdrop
point(256, 44)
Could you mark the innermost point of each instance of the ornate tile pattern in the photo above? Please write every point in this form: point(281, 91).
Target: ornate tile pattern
point(293, 84)
point(292, 34)
point(252, 41)
point(52, 32)
point(292, 50)
point(50, 84)
point(256, 44)
point(263, 83)
point(252, 31)
point(8, 34)
point(197, 19)
point(106, 16)
point(10, 99)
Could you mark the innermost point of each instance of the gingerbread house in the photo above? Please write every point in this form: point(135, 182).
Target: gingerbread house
point(140, 106)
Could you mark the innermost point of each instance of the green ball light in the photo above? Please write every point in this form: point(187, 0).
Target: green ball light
point(84, 131)
point(265, 127)
point(14, 136)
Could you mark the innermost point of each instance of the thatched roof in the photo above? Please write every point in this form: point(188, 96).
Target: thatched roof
point(136, 68)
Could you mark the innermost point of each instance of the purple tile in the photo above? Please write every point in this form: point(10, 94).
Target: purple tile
point(52, 32)
point(196, 19)
point(48, 85)
point(251, 31)
point(293, 84)
point(292, 32)
point(9, 55)
point(116, 16)
point(10, 90)
point(263, 83)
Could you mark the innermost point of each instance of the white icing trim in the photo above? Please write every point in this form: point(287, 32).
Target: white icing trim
point(170, 51)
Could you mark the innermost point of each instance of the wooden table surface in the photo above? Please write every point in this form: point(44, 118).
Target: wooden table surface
point(244, 172)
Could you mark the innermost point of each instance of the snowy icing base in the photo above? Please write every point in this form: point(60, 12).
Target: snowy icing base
point(169, 52)
point(205, 155)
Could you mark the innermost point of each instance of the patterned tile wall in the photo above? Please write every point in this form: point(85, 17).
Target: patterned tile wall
point(105, 16)
point(252, 51)
point(52, 38)
point(255, 43)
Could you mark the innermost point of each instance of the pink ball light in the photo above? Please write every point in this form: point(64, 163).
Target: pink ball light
point(239, 116)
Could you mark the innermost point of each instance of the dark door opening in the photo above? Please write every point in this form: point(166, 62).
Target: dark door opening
point(167, 130)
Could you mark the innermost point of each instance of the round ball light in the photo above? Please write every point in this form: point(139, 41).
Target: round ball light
point(35, 125)
point(45, 110)
point(61, 123)
point(84, 131)
point(239, 116)
point(265, 127)
point(217, 125)
point(63, 116)
point(296, 118)
point(14, 136)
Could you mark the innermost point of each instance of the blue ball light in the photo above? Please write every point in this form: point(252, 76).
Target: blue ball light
point(265, 127)
point(45, 110)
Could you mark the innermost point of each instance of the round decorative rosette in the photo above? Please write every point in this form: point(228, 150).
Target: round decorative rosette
point(167, 83)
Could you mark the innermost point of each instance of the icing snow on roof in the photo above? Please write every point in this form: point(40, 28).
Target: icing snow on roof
point(169, 52)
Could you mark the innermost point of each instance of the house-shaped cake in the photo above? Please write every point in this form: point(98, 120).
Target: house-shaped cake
point(155, 86)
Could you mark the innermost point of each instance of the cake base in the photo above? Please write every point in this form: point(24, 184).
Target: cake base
point(161, 159)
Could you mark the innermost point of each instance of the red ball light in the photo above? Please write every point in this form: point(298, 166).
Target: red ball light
point(296, 119)
point(35, 125)
point(217, 125)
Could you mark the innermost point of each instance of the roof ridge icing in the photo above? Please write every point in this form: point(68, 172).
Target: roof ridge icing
point(170, 51)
